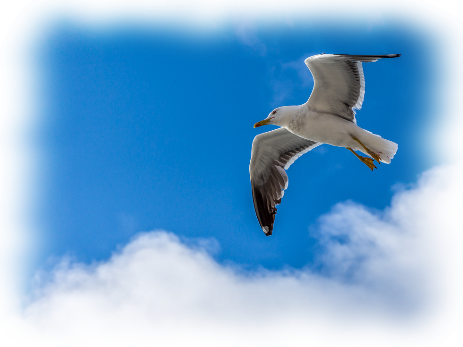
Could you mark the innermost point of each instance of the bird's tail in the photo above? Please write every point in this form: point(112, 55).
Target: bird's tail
point(384, 148)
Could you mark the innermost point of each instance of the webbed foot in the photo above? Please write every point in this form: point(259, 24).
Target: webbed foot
point(367, 161)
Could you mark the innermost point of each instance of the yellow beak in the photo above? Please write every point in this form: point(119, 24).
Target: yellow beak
point(262, 122)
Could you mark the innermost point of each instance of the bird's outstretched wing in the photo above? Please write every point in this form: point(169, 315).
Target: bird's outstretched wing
point(272, 153)
point(339, 84)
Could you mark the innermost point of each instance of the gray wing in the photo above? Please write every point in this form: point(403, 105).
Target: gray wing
point(272, 153)
point(339, 84)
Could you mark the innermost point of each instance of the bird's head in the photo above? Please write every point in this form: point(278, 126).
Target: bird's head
point(272, 118)
point(280, 116)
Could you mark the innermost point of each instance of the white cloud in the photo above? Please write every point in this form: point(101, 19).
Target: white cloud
point(158, 290)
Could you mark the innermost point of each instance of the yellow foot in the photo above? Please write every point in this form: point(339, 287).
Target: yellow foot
point(374, 155)
point(367, 161)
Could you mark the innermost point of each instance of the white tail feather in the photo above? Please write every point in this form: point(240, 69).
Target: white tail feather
point(384, 148)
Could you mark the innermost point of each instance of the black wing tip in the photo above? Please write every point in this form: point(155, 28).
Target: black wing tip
point(267, 230)
point(265, 217)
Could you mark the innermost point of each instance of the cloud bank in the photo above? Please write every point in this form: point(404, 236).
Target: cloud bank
point(389, 278)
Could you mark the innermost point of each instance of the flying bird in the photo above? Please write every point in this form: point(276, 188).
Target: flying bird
point(327, 117)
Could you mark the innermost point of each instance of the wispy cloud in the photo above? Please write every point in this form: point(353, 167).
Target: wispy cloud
point(365, 20)
point(282, 91)
point(247, 18)
point(303, 72)
point(286, 77)
point(375, 19)
point(92, 4)
point(245, 15)
point(378, 268)
point(82, 10)
point(284, 10)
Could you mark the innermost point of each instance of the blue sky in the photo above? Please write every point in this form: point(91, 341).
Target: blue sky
point(149, 128)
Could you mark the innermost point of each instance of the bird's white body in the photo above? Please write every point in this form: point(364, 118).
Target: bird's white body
point(333, 130)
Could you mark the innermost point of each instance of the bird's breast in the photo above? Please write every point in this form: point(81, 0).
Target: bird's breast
point(324, 128)
point(297, 123)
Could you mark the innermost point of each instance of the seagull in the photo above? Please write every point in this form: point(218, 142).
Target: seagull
point(327, 117)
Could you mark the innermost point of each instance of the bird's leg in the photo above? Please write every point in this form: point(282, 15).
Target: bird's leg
point(367, 161)
point(369, 151)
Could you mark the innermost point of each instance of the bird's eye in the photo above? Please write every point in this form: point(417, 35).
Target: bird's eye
point(274, 111)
